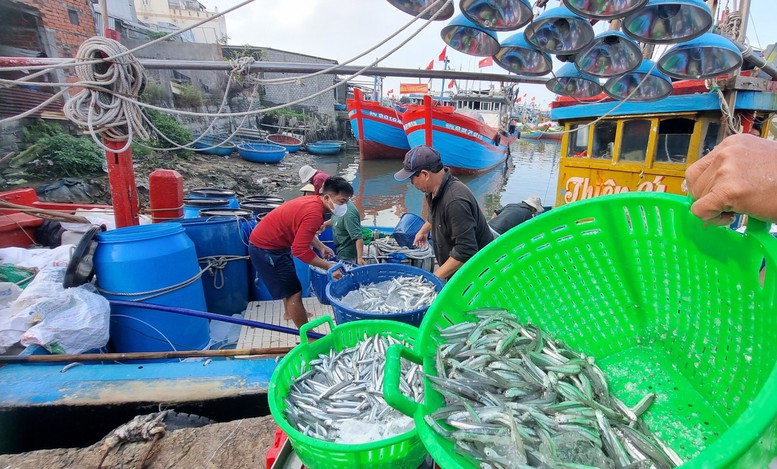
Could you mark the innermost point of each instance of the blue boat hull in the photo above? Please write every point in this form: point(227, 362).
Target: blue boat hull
point(323, 148)
point(377, 128)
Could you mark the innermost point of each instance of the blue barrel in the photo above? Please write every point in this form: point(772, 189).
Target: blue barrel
point(215, 193)
point(146, 258)
point(259, 208)
point(265, 199)
point(192, 207)
point(221, 240)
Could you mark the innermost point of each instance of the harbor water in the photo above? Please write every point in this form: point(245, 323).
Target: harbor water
point(532, 169)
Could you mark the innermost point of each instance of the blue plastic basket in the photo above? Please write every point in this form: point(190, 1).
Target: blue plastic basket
point(318, 282)
point(407, 228)
point(373, 273)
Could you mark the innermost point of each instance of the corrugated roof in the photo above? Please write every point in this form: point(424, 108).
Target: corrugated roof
point(14, 101)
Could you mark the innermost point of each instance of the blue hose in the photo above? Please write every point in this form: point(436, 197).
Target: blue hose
point(213, 316)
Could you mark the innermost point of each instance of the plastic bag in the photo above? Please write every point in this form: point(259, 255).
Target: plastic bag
point(11, 329)
point(74, 321)
point(47, 284)
point(37, 258)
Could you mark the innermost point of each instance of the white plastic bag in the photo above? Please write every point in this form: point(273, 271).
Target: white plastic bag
point(46, 284)
point(73, 321)
point(37, 257)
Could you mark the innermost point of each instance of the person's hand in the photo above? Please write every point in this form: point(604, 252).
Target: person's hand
point(337, 274)
point(360, 261)
point(327, 252)
point(420, 240)
point(738, 176)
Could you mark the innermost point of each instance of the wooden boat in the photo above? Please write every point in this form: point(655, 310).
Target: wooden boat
point(466, 144)
point(646, 146)
point(543, 134)
point(321, 148)
point(261, 152)
point(213, 145)
point(250, 135)
point(377, 128)
point(292, 144)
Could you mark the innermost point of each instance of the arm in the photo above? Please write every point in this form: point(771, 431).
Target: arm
point(360, 251)
point(353, 224)
point(422, 235)
point(738, 176)
point(325, 250)
point(448, 268)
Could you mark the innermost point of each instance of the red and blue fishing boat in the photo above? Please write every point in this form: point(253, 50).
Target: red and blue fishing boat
point(467, 145)
point(377, 128)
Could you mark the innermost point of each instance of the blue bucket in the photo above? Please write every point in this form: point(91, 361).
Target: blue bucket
point(215, 193)
point(373, 273)
point(318, 282)
point(226, 288)
point(407, 228)
point(145, 258)
point(192, 207)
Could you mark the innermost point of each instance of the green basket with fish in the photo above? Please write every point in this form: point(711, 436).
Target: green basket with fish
point(401, 451)
point(665, 304)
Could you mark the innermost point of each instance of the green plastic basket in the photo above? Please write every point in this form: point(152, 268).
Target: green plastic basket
point(665, 304)
point(401, 451)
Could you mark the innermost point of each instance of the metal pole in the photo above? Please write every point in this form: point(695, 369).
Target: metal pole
point(744, 12)
point(124, 193)
point(291, 67)
point(442, 85)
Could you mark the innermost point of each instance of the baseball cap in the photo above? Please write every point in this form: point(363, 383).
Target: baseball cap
point(305, 173)
point(535, 202)
point(418, 158)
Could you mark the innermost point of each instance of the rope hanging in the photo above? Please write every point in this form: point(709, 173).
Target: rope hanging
point(104, 113)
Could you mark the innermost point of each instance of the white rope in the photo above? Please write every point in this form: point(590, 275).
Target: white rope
point(102, 113)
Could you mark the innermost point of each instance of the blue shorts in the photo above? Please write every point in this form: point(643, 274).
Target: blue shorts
point(276, 269)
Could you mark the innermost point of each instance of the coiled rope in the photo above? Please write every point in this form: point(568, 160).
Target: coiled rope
point(104, 113)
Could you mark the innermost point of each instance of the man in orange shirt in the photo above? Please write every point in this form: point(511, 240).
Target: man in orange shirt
point(290, 230)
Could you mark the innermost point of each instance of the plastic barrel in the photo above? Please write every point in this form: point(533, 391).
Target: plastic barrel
point(130, 261)
point(226, 288)
point(215, 193)
point(259, 207)
point(266, 199)
point(192, 207)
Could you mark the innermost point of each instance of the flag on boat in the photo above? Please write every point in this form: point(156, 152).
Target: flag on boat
point(408, 88)
point(431, 65)
point(451, 84)
point(519, 99)
point(487, 62)
point(391, 91)
point(441, 58)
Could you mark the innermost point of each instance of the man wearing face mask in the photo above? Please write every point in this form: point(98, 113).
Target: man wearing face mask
point(459, 228)
point(289, 230)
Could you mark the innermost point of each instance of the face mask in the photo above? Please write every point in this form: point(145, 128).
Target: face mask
point(339, 210)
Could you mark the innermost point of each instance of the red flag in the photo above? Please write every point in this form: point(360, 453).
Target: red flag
point(391, 91)
point(487, 62)
point(524, 95)
point(431, 65)
point(441, 58)
point(451, 84)
point(518, 100)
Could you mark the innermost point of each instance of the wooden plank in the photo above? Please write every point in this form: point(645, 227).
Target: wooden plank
point(271, 312)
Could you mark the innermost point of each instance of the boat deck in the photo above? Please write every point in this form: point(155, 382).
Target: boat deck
point(271, 312)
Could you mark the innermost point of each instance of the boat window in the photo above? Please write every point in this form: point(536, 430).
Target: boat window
point(604, 140)
point(634, 140)
point(578, 141)
point(674, 138)
point(710, 137)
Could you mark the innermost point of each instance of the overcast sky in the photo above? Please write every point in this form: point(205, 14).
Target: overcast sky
point(342, 29)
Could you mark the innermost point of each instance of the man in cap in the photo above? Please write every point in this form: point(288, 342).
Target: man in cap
point(308, 174)
point(512, 215)
point(289, 230)
point(458, 226)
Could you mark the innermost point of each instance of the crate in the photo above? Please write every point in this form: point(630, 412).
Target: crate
point(664, 303)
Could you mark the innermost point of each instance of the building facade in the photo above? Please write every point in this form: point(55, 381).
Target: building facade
point(179, 14)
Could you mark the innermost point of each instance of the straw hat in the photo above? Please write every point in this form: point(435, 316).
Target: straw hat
point(306, 173)
point(535, 203)
point(308, 188)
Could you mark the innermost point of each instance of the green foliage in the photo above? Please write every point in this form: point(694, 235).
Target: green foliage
point(154, 35)
point(272, 116)
point(154, 93)
point(172, 129)
point(73, 156)
point(39, 130)
point(188, 96)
